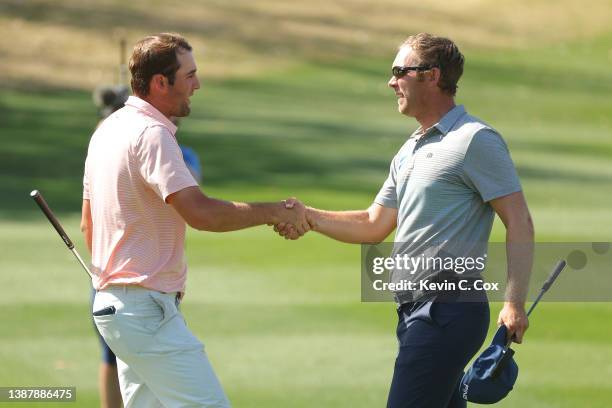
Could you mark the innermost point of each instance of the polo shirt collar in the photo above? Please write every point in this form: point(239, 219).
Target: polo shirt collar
point(149, 110)
point(447, 121)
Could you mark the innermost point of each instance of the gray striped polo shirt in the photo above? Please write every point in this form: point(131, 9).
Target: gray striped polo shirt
point(441, 182)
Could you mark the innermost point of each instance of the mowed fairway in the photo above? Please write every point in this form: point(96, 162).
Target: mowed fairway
point(282, 321)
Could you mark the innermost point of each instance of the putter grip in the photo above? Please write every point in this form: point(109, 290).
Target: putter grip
point(51, 217)
point(560, 266)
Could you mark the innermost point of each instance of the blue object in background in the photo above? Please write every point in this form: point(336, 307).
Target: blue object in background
point(193, 162)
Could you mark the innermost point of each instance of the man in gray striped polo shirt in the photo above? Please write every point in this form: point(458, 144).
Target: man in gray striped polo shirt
point(444, 187)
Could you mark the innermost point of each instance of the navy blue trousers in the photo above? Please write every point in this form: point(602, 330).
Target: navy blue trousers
point(437, 338)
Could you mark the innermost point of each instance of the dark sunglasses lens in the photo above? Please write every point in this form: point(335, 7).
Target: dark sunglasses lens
point(398, 72)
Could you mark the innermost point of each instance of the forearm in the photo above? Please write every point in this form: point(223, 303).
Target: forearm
point(512, 210)
point(347, 226)
point(221, 216)
point(519, 253)
point(87, 235)
point(87, 224)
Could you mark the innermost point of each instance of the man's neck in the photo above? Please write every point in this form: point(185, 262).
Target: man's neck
point(432, 114)
point(157, 104)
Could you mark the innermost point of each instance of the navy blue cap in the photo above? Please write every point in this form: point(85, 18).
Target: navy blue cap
point(493, 373)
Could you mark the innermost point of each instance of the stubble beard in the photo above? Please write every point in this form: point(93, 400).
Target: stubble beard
point(183, 110)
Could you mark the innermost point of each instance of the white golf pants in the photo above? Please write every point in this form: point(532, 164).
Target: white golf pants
point(159, 361)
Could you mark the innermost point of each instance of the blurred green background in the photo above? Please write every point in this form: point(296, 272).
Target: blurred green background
point(294, 102)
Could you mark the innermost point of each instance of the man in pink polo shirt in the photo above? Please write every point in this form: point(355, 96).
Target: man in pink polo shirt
point(137, 197)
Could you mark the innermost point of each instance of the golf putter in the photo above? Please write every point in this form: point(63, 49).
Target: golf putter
point(44, 207)
point(508, 352)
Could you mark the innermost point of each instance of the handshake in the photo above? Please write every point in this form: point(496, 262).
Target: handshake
point(294, 219)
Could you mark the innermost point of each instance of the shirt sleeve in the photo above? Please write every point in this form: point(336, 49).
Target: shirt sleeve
point(161, 162)
point(488, 167)
point(387, 196)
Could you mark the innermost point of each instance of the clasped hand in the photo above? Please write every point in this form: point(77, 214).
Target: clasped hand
point(294, 222)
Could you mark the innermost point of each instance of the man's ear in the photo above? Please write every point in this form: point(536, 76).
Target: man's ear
point(434, 76)
point(159, 83)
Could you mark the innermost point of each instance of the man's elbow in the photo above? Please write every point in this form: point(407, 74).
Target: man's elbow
point(530, 226)
point(523, 226)
point(376, 237)
point(377, 234)
point(195, 211)
point(200, 222)
point(85, 228)
point(204, 221)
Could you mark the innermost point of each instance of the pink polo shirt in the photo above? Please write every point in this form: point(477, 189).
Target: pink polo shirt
point(133, 164)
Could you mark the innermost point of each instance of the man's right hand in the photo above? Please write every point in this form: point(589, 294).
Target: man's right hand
point(210, 214)
point(292, 219)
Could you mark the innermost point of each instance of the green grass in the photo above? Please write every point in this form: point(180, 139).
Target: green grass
point(282, 321)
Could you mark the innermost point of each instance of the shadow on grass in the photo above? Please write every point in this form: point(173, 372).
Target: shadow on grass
point(587, 150)
point(549, 174)
point(537, 78)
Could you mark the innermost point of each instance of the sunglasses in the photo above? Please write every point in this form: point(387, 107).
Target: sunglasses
point(400, 72)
